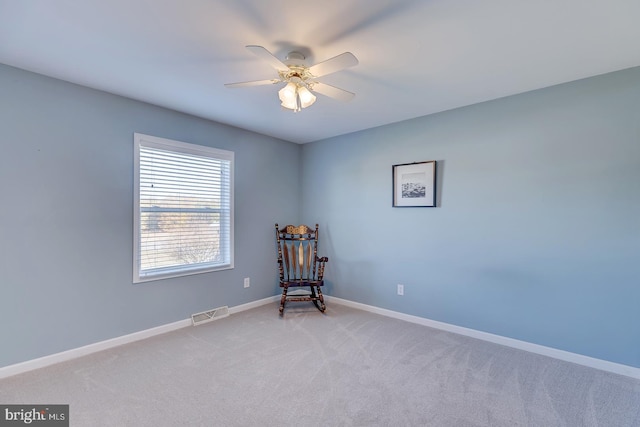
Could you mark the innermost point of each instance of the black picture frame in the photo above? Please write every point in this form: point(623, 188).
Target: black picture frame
point(414, 185)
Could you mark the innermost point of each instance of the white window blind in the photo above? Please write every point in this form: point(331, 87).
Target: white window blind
point(183, 209)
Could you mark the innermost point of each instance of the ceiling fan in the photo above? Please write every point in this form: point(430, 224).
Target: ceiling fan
point(300, 79)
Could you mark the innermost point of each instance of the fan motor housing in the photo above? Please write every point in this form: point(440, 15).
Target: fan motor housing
point(295, 58)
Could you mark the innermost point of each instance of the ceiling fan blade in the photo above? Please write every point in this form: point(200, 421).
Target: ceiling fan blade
point(333, 92)
point(268, 56)
point(253, 83)
point(337, 63)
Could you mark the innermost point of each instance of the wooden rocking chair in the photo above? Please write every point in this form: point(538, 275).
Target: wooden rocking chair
point(300, 265)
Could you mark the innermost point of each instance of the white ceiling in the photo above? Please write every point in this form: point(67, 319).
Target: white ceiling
point(417, 57)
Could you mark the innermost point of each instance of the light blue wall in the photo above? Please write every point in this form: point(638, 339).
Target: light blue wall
point(536, 236)
point(66, 216)
point(537, 231)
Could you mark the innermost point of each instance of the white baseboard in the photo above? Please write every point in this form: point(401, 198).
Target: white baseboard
point(566, 356)
point(254, 304)
point(591, 362)
point(41, 362)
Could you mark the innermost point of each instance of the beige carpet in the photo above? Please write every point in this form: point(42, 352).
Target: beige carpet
point(344, 368)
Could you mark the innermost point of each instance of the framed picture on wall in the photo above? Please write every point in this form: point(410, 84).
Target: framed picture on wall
point(414, 185)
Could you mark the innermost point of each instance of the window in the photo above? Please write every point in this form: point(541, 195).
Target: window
point(183, 209)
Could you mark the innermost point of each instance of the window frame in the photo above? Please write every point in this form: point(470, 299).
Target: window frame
point(142, 140)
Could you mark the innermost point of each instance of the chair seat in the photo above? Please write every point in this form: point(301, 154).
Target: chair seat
point(299, 293)
point(302, 283)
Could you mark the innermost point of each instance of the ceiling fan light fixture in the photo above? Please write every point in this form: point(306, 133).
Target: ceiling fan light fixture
point(290, 105)
point(289, 96)
point(295, 97)
point(306, 97)
point(288, 93)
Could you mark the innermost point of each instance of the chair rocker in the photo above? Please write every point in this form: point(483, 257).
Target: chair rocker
point(299, 265)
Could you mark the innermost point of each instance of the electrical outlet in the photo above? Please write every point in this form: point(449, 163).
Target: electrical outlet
point(400, 289)
point(247, 282)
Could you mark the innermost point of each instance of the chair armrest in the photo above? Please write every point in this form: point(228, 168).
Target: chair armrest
point(321, 261)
